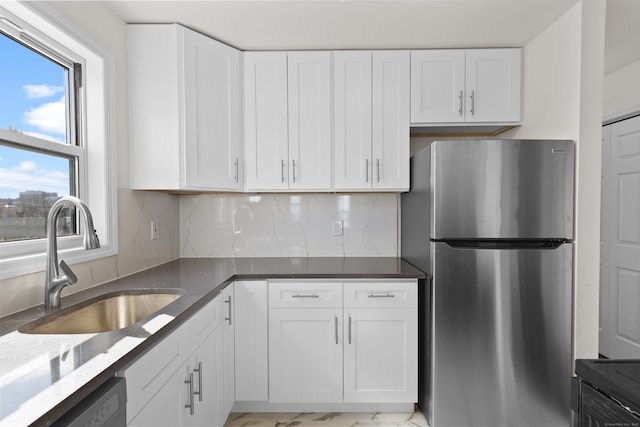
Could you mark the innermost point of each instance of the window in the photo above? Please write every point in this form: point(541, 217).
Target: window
point(36, 171)
point(54, 127)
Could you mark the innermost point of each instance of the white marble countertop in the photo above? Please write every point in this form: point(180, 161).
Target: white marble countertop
point(43, 376)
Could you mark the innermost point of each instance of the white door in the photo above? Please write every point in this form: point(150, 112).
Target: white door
point(309, 90)
point(624, 241)
point(305, 355)
point(251, 356)
point(437, 86)
point(390, 100)
point(265, 121)
point(493, 85)
point(380, 355)
point(352, 120)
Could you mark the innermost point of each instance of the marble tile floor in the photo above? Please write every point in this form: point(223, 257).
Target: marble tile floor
point(327, 419)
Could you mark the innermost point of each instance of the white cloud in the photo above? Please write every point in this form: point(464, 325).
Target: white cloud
point(29, 176)
point(26, 166)
point(49, 117)
point(41, 91)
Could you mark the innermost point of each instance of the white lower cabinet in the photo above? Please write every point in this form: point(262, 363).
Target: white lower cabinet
point(362, 350)
point(228, 353)
point(180, 381)
point(305, 355)
point(380, 355)
point(251, 341)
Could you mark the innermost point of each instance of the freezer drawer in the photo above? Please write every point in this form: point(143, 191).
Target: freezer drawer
point(501, 336)
point(509, 189)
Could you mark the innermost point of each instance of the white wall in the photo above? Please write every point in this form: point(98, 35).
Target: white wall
point(273, 225)
point(622, 91)
point(135, 209)
point(563, 70)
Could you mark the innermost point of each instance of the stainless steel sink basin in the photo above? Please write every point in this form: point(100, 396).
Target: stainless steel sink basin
point(107, 312)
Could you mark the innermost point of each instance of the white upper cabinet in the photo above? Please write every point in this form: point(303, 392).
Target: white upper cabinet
point(185, 111)
point(265, 121)
point(390, 120)
point(288, 121)
point(352, 119)
point(466, 86)
point(437, 86)
point(371, 120)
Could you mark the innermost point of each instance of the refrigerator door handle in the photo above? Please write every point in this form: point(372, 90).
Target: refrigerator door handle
point(503, 244)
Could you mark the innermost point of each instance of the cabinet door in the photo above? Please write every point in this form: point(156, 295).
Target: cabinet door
point(390, 160)
point(154, 116)
point(309, 106)
point(493, 85)
point(437, 86)
point(150, 372)
point(211, 100)
point(380, 355)
point(228, 354)
point(265, 119)
point(206, 368)
point(352, 120)
point(212, 81)
point(166, 409)
point(305, 355)
point(251, 356)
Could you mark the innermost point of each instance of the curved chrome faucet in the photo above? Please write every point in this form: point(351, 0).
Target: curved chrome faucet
point(54, 282)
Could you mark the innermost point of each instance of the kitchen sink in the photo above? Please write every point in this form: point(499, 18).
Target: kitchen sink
point(108, 312)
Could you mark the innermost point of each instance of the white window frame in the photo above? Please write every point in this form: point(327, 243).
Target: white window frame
point(96, 169)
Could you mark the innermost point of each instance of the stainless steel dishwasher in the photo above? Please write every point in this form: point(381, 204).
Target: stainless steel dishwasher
point(105, 407)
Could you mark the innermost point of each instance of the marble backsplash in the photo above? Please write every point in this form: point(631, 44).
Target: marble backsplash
point(273, 225)
point(233, 225)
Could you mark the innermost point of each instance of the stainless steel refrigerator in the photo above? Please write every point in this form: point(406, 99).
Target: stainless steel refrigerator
point(491, 221)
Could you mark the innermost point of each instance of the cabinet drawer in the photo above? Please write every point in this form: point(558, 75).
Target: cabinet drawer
point(205, 321)
point(148, 373)
point(381, 294)
point(305, 294)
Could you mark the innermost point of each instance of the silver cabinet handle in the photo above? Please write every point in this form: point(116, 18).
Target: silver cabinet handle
point(366, 171)
point(378, 169)
point(282, 169)
point(294, 170)
point(349, 329)
point(473, 102)
point(228, 302)
point(336, 323)
point(305, 296)
point(236, 164)
point(190, 404)
point(461, 99)
point(199, 371)
point(387, 295)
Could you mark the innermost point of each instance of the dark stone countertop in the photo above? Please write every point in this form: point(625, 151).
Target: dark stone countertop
point(43, 376)
point(616, 378)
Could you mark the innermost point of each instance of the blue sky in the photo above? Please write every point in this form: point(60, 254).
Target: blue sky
point(32, 101)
